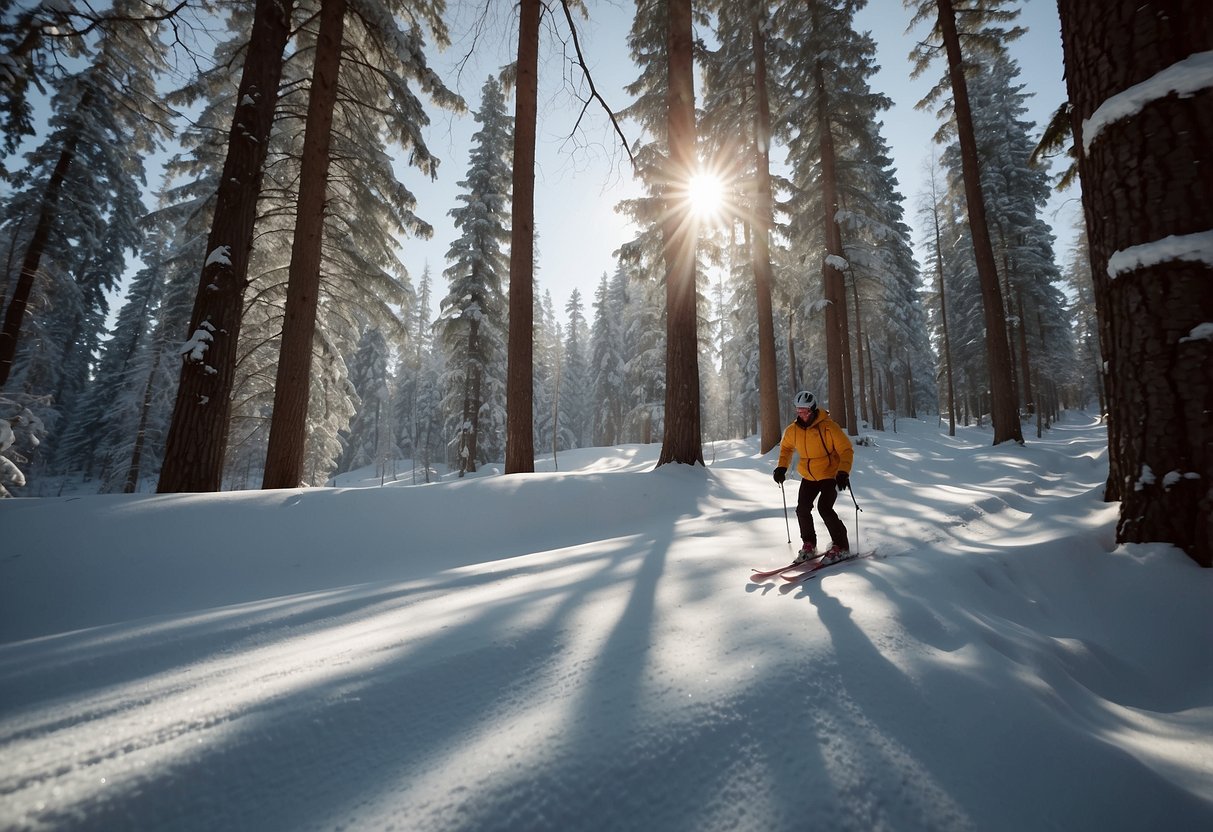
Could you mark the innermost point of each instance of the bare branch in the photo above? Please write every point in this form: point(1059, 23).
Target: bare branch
point(594, 94)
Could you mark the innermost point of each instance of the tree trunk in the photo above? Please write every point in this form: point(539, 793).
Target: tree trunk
point(288, 425)
point(834, 288)
point(1145, 179)
point(47, 214)
point(1025, 372)
point(1004, 414)
point(768, 388)
point(863, 403)
point(793, 370)
point(943, 318)
point(197, 437)
point(520, 373)
point(470, 426)
point(682, 441)
point(134, 471)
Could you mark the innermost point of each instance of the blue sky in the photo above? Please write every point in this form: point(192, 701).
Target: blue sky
point(579, 181)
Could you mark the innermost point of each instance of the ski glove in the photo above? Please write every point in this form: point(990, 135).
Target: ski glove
point(781, 474)
point(843, 480)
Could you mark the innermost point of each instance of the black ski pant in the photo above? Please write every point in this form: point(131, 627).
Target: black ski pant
point(825, 492)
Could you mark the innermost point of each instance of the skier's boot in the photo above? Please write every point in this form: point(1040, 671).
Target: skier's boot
point(807, 552)
point(834, 554)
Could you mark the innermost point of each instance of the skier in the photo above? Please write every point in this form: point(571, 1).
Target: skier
point(825, 455)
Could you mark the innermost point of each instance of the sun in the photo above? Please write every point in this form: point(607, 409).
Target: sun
point(706, 195)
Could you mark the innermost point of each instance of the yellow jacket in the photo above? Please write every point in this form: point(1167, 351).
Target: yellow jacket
point(822, 445)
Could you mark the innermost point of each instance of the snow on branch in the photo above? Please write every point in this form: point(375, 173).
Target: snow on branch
point(837, 262)
point(1186, 78)
point(1196, 247)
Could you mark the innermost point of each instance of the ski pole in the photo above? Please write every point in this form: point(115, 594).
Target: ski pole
point(785, 512)
point(851, 488)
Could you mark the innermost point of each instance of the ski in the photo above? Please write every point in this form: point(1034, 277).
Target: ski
point(804, 576)
point(759, 575)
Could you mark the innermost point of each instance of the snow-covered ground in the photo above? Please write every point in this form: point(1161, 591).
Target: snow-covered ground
point(585, 650)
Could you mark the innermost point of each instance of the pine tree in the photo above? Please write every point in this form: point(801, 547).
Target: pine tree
point(607, 360)
point(370, 437)
point(976, 30)
point(472, 317)
point(76, 207)
point(575, 389)
point(197, 439)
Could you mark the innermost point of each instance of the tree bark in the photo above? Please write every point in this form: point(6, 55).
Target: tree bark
point(833, 286)
point(520, 371)
point(1146, 178)
point(288, 426)
point(1004, 414)
point(197, 437)
point(682, 441)
point(768, 388)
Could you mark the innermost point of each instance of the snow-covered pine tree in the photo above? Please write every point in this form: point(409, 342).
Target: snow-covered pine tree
point(644, 343)
point(967, 30)
point(362, 279)
point(472, 317)
point(575, 387)
point(197, 440)
point(1088, 374)
point(1016, 191)
point(740, 93)
point(369, 435)
point(75, 214)
point(100, 437)
point(825, 68)
point(607, 360)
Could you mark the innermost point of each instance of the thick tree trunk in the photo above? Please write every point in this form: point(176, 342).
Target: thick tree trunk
point(834, 292)
point(682, 441)
point(768, 388)
point(197, 437)
point(1148, 199)
point(1003, 410)
point(520, 372)
point(288, 425)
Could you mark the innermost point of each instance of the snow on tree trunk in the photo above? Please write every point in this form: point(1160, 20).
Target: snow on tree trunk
point(197, 438)
point(1145, 129)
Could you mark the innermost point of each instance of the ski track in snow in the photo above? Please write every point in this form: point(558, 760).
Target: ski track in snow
point(435, 658)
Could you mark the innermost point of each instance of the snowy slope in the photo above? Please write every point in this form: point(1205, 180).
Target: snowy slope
point(585, 650)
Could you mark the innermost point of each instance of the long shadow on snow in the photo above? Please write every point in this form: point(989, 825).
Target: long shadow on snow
point(931, 756)
point(396, 722)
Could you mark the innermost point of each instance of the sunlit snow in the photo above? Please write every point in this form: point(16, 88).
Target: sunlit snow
point(585, 650)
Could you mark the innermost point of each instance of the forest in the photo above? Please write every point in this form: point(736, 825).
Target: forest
point(259, 329)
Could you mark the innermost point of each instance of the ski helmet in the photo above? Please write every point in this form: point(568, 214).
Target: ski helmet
point(806, 399)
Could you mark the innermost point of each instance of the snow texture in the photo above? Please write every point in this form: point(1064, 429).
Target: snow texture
point(195, 348)
point(1185, 78)
point(584, 650)
point(837, 262)
point(221, 255)
point(1196, 247)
